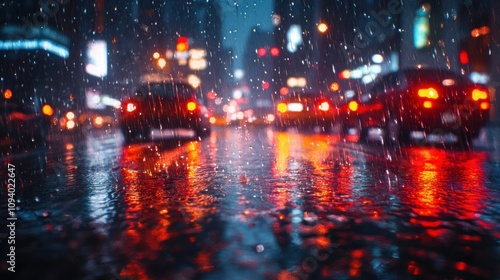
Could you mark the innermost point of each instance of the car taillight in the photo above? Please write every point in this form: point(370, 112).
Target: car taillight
point(484, 105)
point(282, 107)
point(47, 110)
point(431, 93)
point(191, 106)
point(482, 95)
point(479, 94)
point(324, 106)
point(353, 106)
point(130, 107)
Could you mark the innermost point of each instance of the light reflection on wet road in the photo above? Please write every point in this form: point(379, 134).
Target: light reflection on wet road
point(252, 203)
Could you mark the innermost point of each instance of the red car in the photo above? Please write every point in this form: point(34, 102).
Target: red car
point(417, 104)
point(169, 109)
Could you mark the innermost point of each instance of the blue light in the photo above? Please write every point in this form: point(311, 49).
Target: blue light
point(46, 45)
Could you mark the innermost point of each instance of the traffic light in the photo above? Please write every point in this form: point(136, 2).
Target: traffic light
point(182, 44)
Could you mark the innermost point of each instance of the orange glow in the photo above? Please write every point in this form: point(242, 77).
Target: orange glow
point(353, 106)
point(47, 110)
point(162, 63)
point(282, 108)
point(484, 105)
point(98, 121)
point(156, 55)
point(476, 32)
point(131, 107)
point(147, 242)
point(427, 104)
point(428, 93)
point(346, 74)
point(479, 94)
point(213, 120)
point(182, 44)
point(191, 106)
point(324, 106)
point(282, 151)
point(7, 94)
point(334, 86)
point(70, 124)
point(70, 115)
point(322, 27)
point(284, 91)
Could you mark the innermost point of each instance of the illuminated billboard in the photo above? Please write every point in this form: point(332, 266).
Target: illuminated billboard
point(97, 58)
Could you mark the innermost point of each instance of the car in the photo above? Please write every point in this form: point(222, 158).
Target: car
point(68, 121)
point(163, 109)
point(23, 120)
point(305, 110)
point(420, 104)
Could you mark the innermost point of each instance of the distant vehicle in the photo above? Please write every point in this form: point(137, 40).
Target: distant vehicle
point(305, 110)
point(418, 104)
point(68, 120)
point(169, 109)
point(23, 121)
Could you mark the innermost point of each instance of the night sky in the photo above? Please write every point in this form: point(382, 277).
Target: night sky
point(240, 17)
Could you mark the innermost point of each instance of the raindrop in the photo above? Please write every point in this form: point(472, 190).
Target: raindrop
point(259, 248)
point(37, 199)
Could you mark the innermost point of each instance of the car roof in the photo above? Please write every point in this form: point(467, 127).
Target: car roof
point(430, 72)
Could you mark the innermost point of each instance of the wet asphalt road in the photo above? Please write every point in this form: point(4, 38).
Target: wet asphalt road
point(253, 203)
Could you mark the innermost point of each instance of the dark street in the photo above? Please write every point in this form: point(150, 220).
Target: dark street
point(253, 203)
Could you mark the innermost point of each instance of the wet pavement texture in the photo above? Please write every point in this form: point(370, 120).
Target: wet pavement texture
point(253, 203)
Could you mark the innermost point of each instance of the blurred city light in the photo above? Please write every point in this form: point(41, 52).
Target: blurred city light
point(377, 58)
point(7, 94)
point(162, 63)
point(322, 27)
point(97, 58)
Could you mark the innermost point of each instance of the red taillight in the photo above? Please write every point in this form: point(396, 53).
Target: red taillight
point(130, 107)
point(282, 107)
point(324, 106)
point(431, 93)
point(484, 105)
point(353, 106)
point(191, 106)
point(427, 104)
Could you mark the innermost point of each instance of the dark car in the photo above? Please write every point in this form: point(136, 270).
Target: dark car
point(305, 110)
point(163, 109)
point(417, 104)
point(23, 120)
